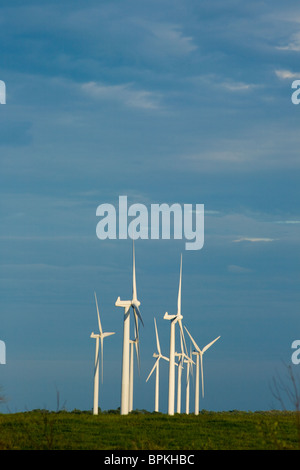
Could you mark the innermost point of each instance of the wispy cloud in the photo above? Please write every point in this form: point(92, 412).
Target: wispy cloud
point(170, 39)
point(238, 86)
point(253, 240)
point(213, 80)
point(287, 222)
point(293, 45)
point(125, 94)
point(286, 74)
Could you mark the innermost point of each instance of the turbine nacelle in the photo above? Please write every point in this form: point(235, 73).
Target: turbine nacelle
point(177, 317)
point(169, 317)
point(122, 303)
point(181, 358)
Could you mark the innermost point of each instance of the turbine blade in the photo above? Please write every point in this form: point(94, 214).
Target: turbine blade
point(210, 344)
point(179, 290)
point(188, 375)
point(97, 353)
point(134, 293)
point(201, 362)
point(137, 311)
point(137, 341)
point(165, 358)
point(182, 338)
point(157, 339)
point(99, 322)
point(101, 352)
point(137, 350)
point(191, 364)
point(153, 368)
point(191, 360)
point(136, 325)
point(127, 313)
point(107, 334)
point(181, 341)
point(193, 341)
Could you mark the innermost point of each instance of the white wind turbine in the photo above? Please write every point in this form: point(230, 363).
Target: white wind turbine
point(159, 356)
point(174, 319)
point(127, 304)
point(199, 353)
point(98, 336)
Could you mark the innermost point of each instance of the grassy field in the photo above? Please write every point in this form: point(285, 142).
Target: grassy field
point(44, 430)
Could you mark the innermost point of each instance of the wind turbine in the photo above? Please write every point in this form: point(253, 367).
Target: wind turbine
point(173, 320)
point(199, 353)
point(127, 304)
point(98, 336)
point(159, 356)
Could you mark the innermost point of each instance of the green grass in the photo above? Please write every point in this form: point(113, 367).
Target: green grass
point(43, 430)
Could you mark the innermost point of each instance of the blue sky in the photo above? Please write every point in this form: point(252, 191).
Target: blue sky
point(169, 101)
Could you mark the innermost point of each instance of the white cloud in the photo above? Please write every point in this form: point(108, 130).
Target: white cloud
point(253, 240)
point(238, 86)
point(171, 39)
point(286, 74)
point(124, 94)
point(288, 222)
point(293, 45)
point(211, 79)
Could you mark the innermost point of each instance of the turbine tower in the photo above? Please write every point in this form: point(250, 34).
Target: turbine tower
point(173, 320)
point(159, 356)
point(98, 336)
point(133, 344)
point(183, 357)
point(131, 370)
point(189, 371)
point(127, 304)
point(179, 375)
point(199, 354)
